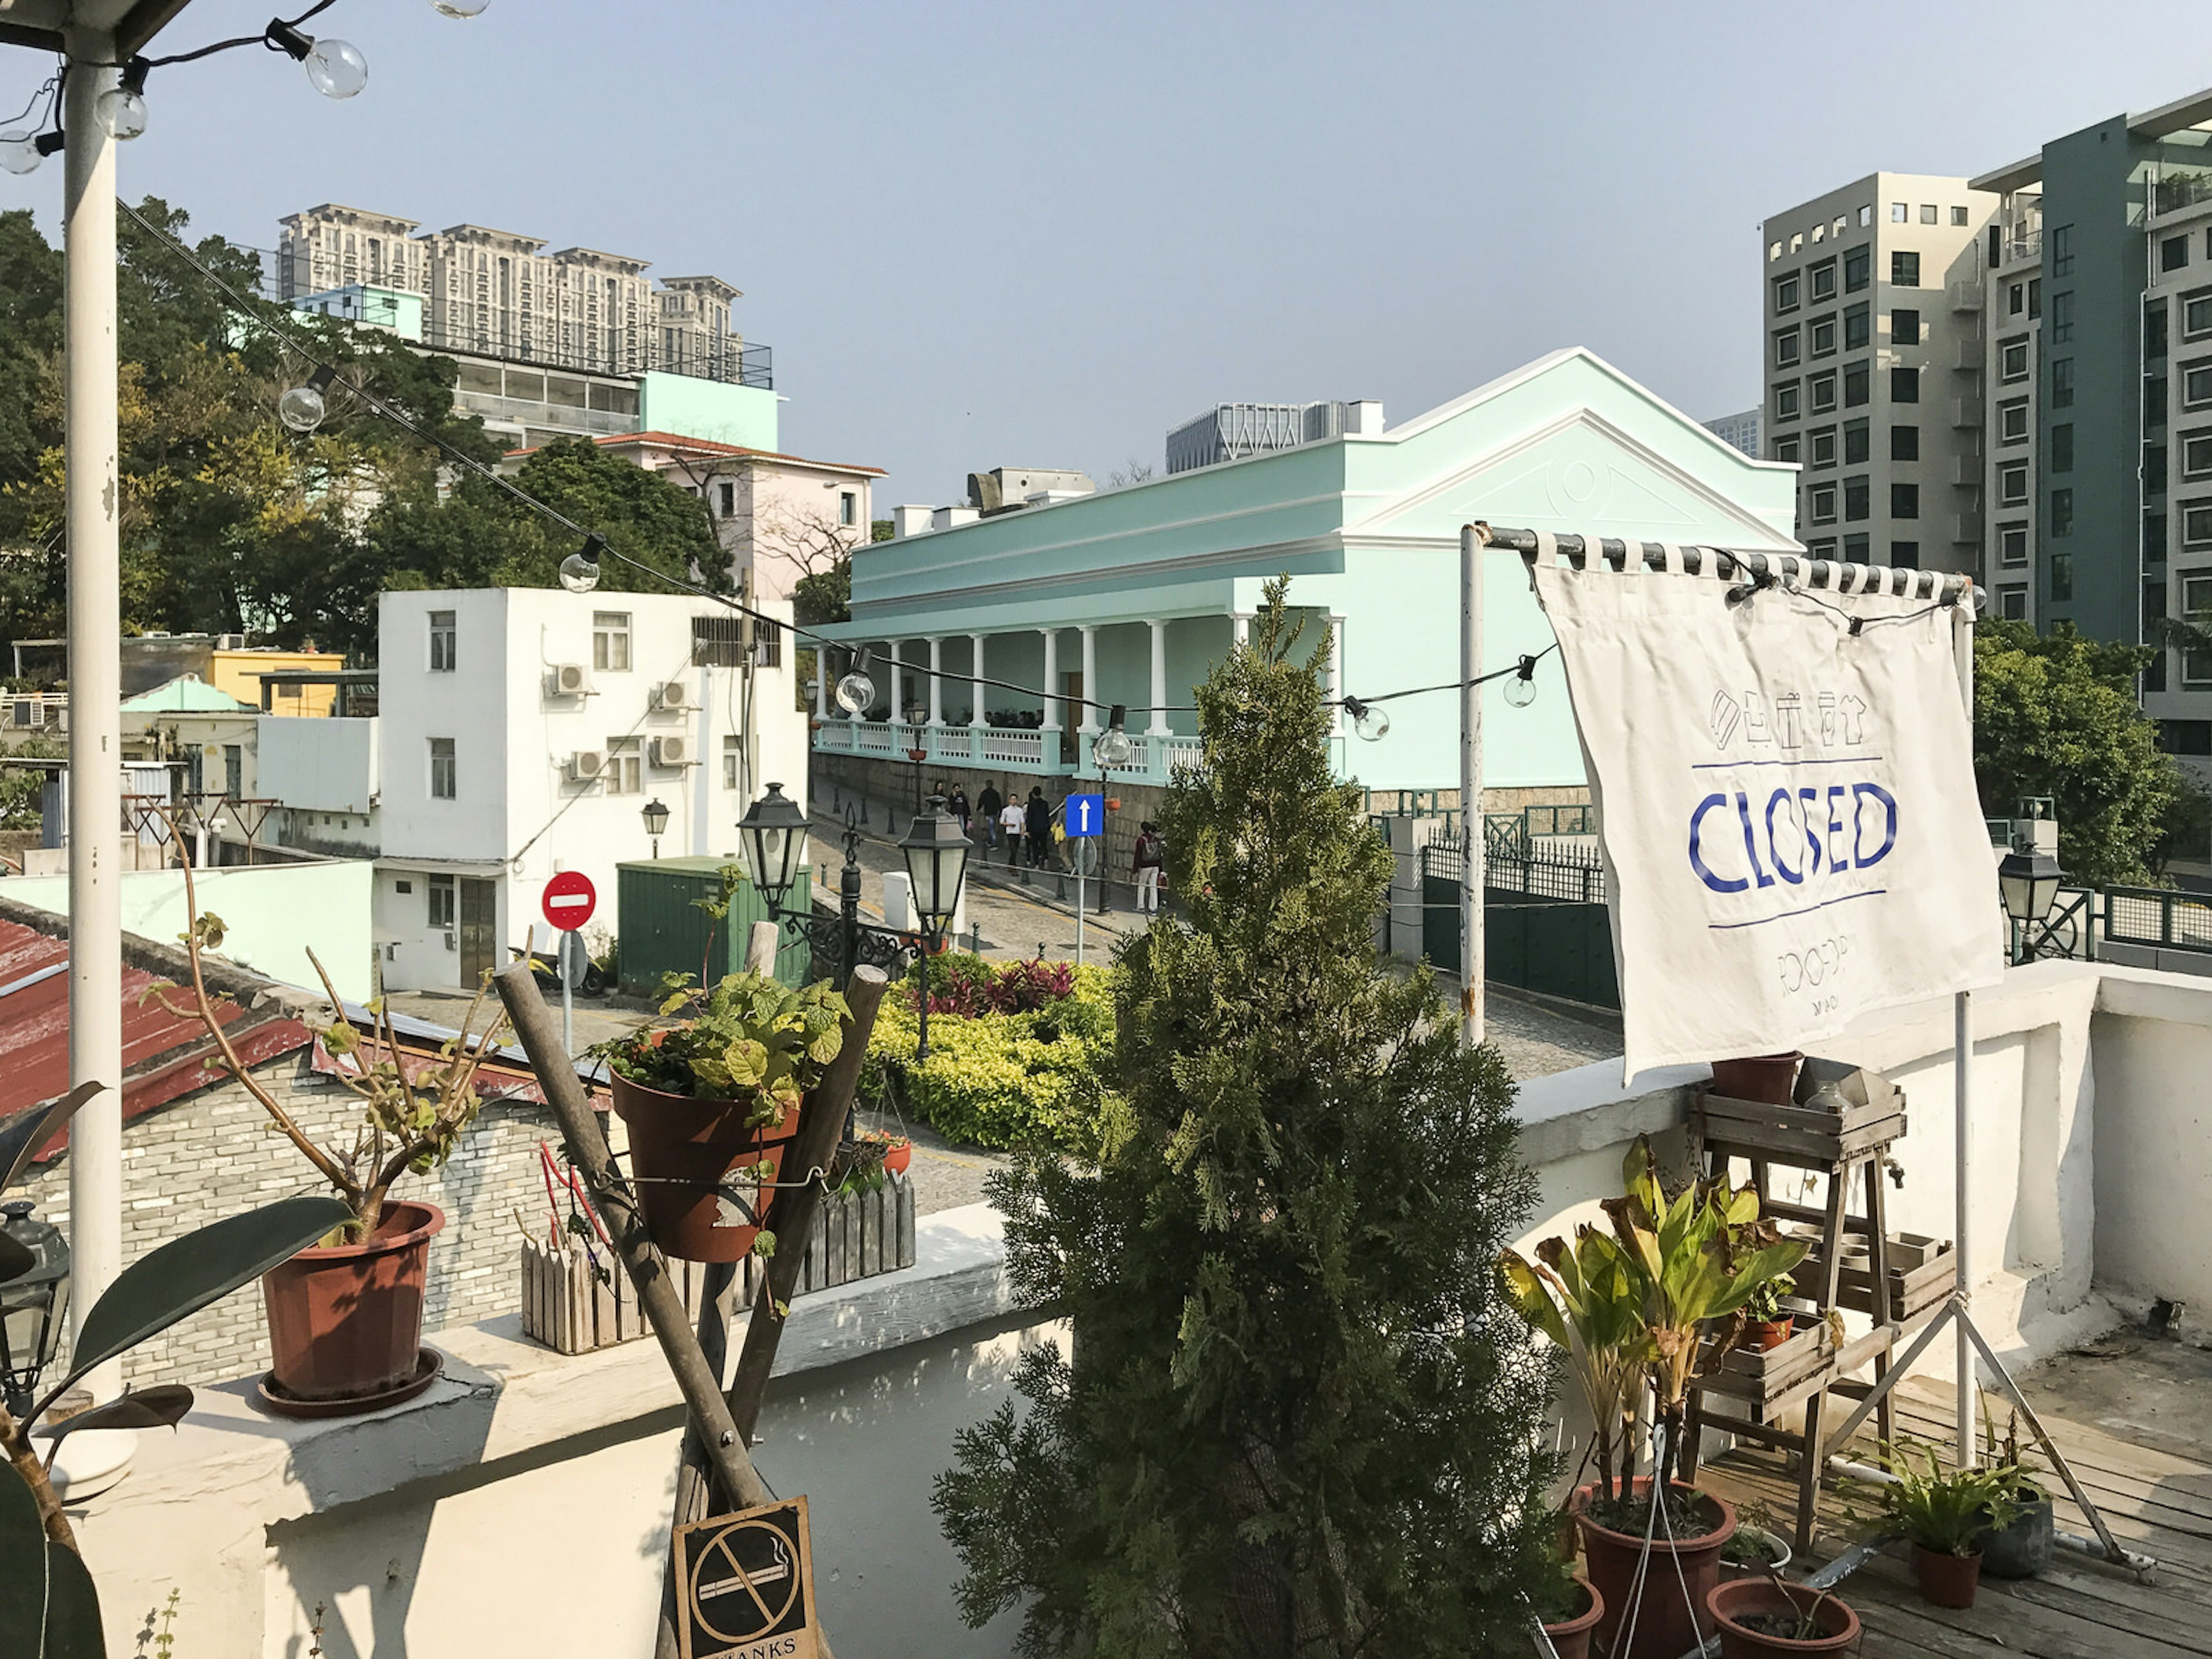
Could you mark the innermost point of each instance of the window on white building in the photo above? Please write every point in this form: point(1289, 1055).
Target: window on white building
point(849, 507)
point(729, 499)
point(2012, 544)
point(2012, 422)
point(443, 768)
point(2196, 454)
point(732, 752)
point(441, 642)
point(2196, 315)
point(625, 765)
point(2012, 603)
point(444, 910)
point(610, 642)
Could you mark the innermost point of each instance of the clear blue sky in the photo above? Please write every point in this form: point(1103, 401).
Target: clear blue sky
point(1026, 235)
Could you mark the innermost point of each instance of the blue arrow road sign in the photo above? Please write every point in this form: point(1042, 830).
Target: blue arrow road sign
point(1086, 816)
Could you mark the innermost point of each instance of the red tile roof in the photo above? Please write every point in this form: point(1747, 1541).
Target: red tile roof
point(709, 446)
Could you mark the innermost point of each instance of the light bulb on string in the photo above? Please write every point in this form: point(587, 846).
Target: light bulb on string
point(335, 68)
point(463, 9)
point(20, 152)
point(856, 692)
point(1520, 690)
point(580, 571)
point(122, 107)
point(303, 407)
point(1112, 747)
point(1369, 723)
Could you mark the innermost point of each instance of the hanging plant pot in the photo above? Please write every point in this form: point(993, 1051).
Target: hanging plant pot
point(1766, 1078)
point(898, 1156)
point(1758, 1619)
point(683, 1151)
point(1570, 1638)
point(1668, 1623)
point(1947, 1580)
point(346, 1321)
point(1752, 1552)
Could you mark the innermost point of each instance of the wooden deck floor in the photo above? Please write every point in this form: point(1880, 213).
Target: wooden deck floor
point(2133, 1416)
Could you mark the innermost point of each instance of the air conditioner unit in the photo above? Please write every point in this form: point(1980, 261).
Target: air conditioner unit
point(585, 765)
point(671, 751)
point(672, 696)
point(569, 680)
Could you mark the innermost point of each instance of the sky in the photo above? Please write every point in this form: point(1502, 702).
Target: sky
point(984, 235)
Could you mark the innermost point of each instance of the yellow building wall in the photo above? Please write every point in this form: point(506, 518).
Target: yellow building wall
point(239, 672)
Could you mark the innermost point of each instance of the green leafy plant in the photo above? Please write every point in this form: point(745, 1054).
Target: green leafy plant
point(1754, 1526)
point(1946, 1511)
point(1764, 1305)
point(1701, 1254)
point(751, 1039)
point(1588, 1300)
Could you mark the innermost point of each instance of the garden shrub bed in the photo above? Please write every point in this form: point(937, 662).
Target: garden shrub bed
point(1021, 1054)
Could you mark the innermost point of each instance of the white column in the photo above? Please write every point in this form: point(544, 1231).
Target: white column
point(1158, 728)
point(1090, 721)
point(95, 675)
point(1051, 677)
point(821, 683)
point(896, 696)
point(936, 680)
point(1336, 675)
point(976, 669)
point(1240, 627)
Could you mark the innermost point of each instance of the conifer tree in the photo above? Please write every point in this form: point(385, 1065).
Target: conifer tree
point(1295, 1418)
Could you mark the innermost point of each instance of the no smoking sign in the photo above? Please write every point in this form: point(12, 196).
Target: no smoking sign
point(747, 1585)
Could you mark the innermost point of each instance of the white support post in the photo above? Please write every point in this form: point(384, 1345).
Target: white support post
point(95, 675)
point(1089, 723)
point(1470, 785)
point(936, 679)
point(976, 669)
point(1240, 627)
point(1962, 1106)
point(1336, 674)
point(895, 694)
point(821, 682)
point(1051, 677)
point(1159, 727)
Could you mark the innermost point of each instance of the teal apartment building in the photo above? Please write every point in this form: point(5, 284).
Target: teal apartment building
point(1130, 596)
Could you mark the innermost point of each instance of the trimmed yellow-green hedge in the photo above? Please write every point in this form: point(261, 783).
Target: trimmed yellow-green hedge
point(1035, 1080)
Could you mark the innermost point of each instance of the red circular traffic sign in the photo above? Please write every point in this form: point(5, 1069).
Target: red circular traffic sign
point(569, 899)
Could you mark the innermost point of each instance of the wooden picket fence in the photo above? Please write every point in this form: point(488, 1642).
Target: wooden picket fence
point(856, 1235)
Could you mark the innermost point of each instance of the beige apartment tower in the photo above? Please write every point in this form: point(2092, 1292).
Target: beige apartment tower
point(1874, 363)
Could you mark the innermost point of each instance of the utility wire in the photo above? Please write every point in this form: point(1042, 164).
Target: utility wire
point(260, 40)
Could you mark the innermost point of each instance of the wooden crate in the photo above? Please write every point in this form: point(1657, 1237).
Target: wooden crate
point(856, 1235)
point(1913, 1290)
point(1800, 1136)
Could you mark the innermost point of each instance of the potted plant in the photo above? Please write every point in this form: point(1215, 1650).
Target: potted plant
point(1588, 1299)
point(345, 1315)
point(1943, 1514)
point(2021, 1549)
point(1767, 1078)
point(719, 1095)
point(1763, 1618)
point(1766, 1322)
point(1568, 1611)
point(1758, 1547)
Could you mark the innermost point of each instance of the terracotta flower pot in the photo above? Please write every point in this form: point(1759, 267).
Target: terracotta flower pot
point(1764, 1333)
point(681, 1150)
point(346, 1321)
point(1667, 1625)
point(898, 1157)
point(1570, 1638)
point(1947, 1580)
point(1766, 1078)
point(1837, 1624)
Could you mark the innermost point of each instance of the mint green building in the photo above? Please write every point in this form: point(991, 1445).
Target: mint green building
point(1130, 596)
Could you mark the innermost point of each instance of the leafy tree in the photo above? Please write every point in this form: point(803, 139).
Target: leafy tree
point(2055, 714)
point(1297, 1418)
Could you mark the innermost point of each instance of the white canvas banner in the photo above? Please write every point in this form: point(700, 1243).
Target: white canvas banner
point(1787, 809)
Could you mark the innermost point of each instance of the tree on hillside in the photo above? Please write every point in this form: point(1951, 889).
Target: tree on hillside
point(2055, 714)
point(1294, 1418)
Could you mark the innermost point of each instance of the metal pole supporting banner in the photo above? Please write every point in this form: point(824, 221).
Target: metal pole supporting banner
point(95, 773)
point(1470, 784)
point(1962, 1066)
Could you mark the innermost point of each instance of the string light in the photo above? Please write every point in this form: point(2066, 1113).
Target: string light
point(1113, 747)
point(335, 68)
point(580, 571)
point(856, 692)
point(1520, 690)
point(1369, 723)
point(122, 107)
point(463, 9)
point(303, 407)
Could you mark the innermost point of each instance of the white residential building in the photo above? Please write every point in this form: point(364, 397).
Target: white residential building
point(522, 732)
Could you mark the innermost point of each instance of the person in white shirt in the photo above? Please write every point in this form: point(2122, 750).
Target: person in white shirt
point(1010, 820)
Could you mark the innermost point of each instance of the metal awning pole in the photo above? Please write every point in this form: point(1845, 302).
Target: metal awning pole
point(1472, 539)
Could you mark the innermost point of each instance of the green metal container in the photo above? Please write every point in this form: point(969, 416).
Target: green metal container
point(663, 930)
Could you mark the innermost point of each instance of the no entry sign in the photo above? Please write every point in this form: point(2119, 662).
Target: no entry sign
point(569, 899)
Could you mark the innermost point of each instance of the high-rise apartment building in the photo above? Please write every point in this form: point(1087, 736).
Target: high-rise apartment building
point(1873, 358)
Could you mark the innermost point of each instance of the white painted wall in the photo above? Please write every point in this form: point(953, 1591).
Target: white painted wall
point(320, 765)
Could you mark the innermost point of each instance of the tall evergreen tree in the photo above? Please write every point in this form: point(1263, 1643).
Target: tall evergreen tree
point(1296, 1419)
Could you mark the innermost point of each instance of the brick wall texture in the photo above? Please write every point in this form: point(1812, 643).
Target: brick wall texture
point(215, 1154)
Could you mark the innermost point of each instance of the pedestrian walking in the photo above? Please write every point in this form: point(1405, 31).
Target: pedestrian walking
point(957, 805)
point(1038, 821)
point(1147, 861)
point(988, 805)
point(1011, 819)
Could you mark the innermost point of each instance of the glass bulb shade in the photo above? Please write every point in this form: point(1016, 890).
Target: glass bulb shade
point(936, 853)
point(579, 574)
point(121, 112)
point(1519, 692)
point(462, 9)
point(1371, 724)
point(34, 1304)
point(301, 409)
point(1113, 748)
point(772, 835)
point(655, 815)
point(337, 68)
point(856, 693)
point(18, 152)
point(2029, 884)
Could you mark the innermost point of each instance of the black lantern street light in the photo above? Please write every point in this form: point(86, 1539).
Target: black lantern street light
point(33, 1305)
point(936, 853)
point(2029, 880)
point(656, 820)
point(773, 839)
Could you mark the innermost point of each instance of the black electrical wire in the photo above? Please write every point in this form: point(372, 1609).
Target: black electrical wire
point(1461, 685)
point(260, 40)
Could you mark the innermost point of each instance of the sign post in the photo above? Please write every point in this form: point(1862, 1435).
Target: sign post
point(569, 901)
point(745, 1585)
point(1083, 817)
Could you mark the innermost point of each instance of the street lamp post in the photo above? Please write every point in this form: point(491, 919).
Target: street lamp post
point(936, 851)
point(2028, 879)
point(32, 1307)
point(656, 820)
